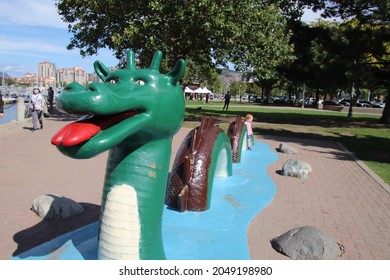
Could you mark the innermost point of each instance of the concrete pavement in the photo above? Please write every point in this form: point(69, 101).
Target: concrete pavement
point(340, 197)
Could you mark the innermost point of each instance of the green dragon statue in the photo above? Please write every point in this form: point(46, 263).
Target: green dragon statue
point(134, 114)
point(204, 153)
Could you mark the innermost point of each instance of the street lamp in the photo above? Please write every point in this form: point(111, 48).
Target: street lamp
point(239, 92)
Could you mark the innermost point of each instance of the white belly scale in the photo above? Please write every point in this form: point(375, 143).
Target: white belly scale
point(120, 225)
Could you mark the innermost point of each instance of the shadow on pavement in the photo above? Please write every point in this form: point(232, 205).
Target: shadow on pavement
point(47, 230)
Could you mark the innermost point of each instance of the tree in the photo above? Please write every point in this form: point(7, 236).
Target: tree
point(300, 71)
point(362, 10)
point(214, 82)
point(366, 34)
point(248, 33)
point(208, 77)
point(238, 88)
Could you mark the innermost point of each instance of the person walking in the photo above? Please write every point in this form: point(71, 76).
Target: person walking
point(50, 93)
point(1, 105)
point(227, 101)
point(36, 107)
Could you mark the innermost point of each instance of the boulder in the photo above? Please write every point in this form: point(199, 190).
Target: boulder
point(307, 243)
point(296, 168)
point(284, 148)
point(53, 207)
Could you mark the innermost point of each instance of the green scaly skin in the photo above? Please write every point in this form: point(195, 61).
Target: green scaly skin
point(140, 145)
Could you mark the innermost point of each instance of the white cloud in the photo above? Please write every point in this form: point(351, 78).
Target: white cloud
point(30, 45)
point(31, 31)
point(31, 12)
point(16, 69)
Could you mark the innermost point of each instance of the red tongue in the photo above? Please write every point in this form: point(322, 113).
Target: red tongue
point(81, 131)
point(75, 133)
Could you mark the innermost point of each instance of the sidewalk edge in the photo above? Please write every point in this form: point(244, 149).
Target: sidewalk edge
point(362, 165)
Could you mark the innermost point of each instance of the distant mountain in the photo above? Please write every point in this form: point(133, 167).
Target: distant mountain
point(229, 76)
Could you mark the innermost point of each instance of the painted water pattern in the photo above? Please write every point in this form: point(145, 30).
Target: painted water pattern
point(216, 234)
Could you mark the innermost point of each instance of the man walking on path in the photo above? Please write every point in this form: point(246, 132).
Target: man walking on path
point(50, 92)
point(227, 101)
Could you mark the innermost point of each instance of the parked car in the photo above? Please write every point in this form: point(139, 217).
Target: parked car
point(258, 99)
point(365, 104)
point(331, 102)
point(345, 102)
point(309, 101)
point(279, 100)
point(377, 104)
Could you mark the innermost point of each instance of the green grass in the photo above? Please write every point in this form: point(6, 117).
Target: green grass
point(362, 135)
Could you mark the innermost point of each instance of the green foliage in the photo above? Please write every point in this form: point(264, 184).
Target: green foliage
point(362, 10)
point(238, 88)
point(248, 33)
point(253, 35)
point(354, 51)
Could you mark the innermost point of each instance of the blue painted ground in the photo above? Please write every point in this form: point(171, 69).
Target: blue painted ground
point(216, 234)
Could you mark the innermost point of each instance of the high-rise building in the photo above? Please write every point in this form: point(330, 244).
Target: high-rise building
point(80, 76)
point(69, 75)
point(46, 74)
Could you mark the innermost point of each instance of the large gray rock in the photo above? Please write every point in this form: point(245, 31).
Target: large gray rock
point(53, 207)
point(296, 168)
point(284, 148)
point(307, 243)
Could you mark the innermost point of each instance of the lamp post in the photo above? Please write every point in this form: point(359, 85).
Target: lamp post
point(239, 92)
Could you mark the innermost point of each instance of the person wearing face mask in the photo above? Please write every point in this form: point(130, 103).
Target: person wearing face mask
point(36, 107)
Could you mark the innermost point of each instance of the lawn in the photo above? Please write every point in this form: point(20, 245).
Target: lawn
point(363, 135)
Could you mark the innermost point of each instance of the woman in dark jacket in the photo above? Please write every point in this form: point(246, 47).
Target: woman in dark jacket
point(1, 105)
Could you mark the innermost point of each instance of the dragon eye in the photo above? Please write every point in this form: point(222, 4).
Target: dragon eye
point(140, 82)
point(112, 81)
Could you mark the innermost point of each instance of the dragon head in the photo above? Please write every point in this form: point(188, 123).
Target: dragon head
point(136, 105)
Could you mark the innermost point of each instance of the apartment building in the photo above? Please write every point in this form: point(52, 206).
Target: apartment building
point(49, 76)
point(46, 74)
point(69, 75)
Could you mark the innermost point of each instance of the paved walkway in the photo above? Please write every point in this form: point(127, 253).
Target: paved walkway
point(339, 197)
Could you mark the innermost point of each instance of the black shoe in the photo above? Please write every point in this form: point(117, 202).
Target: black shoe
point(41, 126)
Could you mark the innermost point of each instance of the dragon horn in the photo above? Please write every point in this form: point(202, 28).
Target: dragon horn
point(130, 60)
point(155, 65)
point(177, 72)
point(101, 70)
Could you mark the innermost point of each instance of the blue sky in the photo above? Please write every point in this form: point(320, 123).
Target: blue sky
point(31, 31)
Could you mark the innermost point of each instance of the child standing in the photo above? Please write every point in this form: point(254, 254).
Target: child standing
point(248, 123)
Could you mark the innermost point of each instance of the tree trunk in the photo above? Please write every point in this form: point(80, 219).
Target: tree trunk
point(317, 97)
point(354, 101)
point(386, 112)
point(262, 94)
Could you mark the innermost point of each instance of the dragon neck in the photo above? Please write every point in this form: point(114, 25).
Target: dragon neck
point(135, 185)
